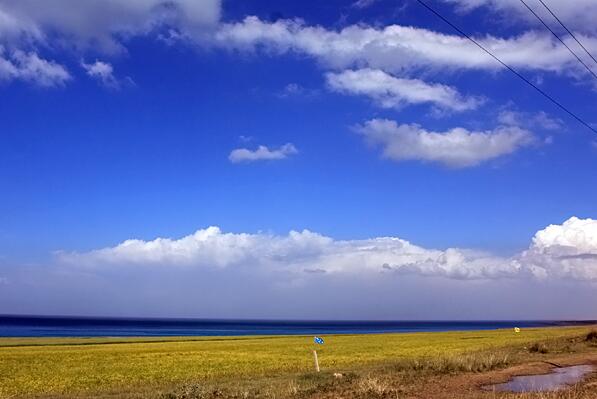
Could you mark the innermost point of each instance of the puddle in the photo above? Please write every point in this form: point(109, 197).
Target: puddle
point(559, 378)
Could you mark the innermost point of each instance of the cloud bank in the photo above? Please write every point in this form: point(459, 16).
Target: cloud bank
point(567, 251)
point(306, 275)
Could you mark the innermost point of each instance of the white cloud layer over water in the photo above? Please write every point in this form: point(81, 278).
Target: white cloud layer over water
point(567, 251)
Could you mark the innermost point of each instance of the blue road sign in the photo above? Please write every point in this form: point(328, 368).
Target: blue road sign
point(318, 340)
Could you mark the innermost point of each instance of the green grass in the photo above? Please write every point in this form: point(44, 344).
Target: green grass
point(82, 365)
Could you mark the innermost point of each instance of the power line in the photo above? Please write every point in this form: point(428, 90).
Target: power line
point(568, 30)
point(550, 98)
point(558, 37)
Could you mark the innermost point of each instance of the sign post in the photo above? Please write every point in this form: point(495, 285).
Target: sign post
point(318, 341)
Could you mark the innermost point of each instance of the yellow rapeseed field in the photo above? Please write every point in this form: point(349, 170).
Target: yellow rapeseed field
point(79, 365)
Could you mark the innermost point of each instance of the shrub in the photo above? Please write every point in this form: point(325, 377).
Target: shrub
point(592, 336)
point(538, 348)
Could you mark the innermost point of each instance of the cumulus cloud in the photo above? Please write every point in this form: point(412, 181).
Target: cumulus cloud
point(101, 24)
point(558, 251)
point(397, 48)
point(30, 67)
point(457, 147)
point(262, 153)
point(303, 251)
point(566, 250)
point(392, 92)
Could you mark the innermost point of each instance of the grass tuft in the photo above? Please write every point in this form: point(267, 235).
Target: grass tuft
point(470, 363)
point(371, 385)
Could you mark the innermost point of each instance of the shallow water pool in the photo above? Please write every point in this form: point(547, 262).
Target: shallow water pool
point(558, 379)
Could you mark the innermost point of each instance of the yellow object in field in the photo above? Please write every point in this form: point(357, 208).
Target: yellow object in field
point(516, 329)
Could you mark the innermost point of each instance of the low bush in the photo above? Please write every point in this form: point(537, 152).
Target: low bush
point(591, 336)
point(538, 348)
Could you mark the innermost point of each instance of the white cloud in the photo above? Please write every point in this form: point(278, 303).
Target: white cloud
point(577, 14)
point(262, 153)
point(101, 24)
point(29, 67)
point(531, 120)
point(103, 72)
point(566, 250)
point(457, 147)
point(363, 3)
point(392, 92)
point(297, 252)
point(561, 251)
point(29, 26)
point(105, 25)
point(397, 48)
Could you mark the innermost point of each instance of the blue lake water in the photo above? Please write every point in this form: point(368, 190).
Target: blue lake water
point(30, 326)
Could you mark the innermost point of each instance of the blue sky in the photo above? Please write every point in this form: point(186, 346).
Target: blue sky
point(144, 120)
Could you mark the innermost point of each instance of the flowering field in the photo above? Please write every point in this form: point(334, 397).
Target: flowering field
point(64, 366)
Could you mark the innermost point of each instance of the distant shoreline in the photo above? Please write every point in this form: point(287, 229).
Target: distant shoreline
point(71, 326)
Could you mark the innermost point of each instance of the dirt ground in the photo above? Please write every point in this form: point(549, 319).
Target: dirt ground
point(465, 386)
